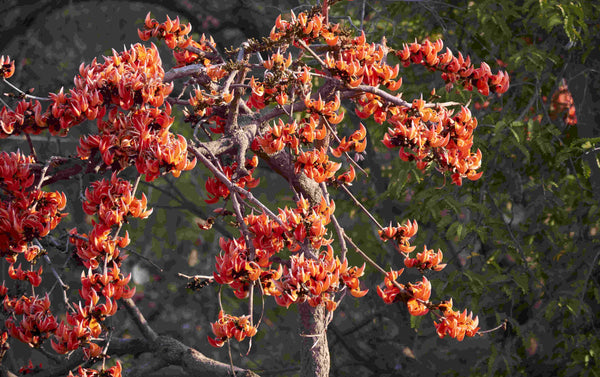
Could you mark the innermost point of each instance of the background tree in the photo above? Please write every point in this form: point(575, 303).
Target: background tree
point(528, 239)
point(371, 338)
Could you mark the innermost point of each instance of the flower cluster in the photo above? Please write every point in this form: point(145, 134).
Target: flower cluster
point(33, 277)
point(391, 291)
point(305, 27)
point(203, 104)
point(36, 321)
point(456, 324)
point(363, 63)
point(26, 212)
point(416, 296)
point(111, 284)
point(85, 322)
point(239, 265)
point(326, 109)
point(228, 326)
point(171, 31)
point(114, 371)
point(317, 280)
point(195, 52)
point(27, 118)
point(314, 280)
point(113, 201)
point(427, 260)
point(315, 165)
point(562, 104)
point(78, 331)
point(425, 135)
point(280, 82)
point(217, 189)
point(136, 131)
point(132, 77)
point(401, 234)
point(291, 135)
point(419, 293)
point(454, 69)
point(356, 142)
point(132, 80)
point(236, 269)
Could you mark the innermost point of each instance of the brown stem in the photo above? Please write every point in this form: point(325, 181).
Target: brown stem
point(232, 187)
point(358, 203)
point(140, 321)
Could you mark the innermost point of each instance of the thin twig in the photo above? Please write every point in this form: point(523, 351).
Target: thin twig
point(358, 203)
point(310, 51)
point(25, 94)
point(350, 159)
point(234, 188)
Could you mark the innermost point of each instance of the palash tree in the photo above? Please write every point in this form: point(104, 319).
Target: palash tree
point(279, 102)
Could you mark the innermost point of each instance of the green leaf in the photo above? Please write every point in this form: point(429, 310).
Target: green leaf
point(522, 280)
point(415, 321)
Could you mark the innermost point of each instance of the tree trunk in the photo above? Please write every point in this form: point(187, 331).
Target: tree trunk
point(314, 349)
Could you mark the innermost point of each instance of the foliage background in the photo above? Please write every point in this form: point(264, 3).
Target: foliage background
point(521, 243)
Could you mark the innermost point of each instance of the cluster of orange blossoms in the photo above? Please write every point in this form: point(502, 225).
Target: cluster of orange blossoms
point(36, 322)
point(113, 202)
point(85, 322)
point(562, 104)
point(228, 326)
point(456, 324)
point(303, 279)
point(33, 277)
point(454, 69)
point(171, 31)
point(136, 131)
point(89, 372)
point(132, 80)
point(427, 260)
point(416, 296)
point(401, 234)
point(359, 63)
point(28, 212)
point(425, 135)
point(217, 189)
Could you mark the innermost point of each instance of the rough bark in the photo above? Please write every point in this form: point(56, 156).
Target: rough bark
point(314, 349)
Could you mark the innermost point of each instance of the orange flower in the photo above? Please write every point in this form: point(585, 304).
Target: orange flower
point(391, 292)
point(427, 260)
point(7, 67)
point(456, 324)
point(420, 292)
point(228, 326)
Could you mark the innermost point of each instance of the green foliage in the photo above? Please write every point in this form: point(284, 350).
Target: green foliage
point(522, 242)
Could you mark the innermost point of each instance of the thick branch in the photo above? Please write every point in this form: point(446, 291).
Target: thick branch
point(139, 320)
point(193, 362)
